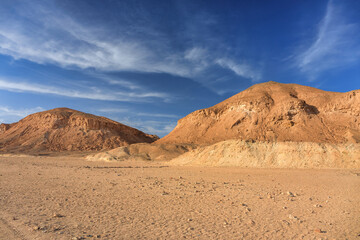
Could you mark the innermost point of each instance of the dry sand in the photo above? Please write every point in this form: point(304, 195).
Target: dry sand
point(70, 198)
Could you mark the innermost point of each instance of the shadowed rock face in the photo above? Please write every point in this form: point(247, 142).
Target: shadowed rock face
point(64, 129)
point(274, 112)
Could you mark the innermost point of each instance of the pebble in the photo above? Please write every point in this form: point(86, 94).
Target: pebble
point(57, 215)
point(251, 222)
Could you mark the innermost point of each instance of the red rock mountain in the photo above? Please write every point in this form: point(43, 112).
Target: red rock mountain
point(64, 129)
point(275, 112)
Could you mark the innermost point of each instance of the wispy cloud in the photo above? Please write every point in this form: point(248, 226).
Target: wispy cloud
point(240, 69)
point(78, 45)
point(11, 114)
point(204, 59)
point(88, 93)
point(336, 44)
point(137, 113)
point(45, 34)
point(159, 128)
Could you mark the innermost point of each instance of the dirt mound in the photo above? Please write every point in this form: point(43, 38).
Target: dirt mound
point(273, 155)
point(143, 151)
point(275, 112)
point(64, 129)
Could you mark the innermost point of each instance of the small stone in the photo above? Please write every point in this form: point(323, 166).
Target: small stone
point(36, 228)
point(318, 230)
point(189, 220)
point(317, 206)
point(251, 222)
point(290, 194)
point(57, 215)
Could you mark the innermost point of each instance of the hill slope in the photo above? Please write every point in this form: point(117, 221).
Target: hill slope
point(274, 112)
point(64, 129)
point(273, 155)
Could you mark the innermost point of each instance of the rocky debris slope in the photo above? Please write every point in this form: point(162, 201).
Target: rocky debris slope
point(275, 112)
point(64, 129)
point(273, 155)
point(142, 151)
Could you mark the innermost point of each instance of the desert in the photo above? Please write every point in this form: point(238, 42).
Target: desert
point(180, 119)
point(259, 186)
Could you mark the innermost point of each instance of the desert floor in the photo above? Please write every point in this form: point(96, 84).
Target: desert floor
point(70, 198)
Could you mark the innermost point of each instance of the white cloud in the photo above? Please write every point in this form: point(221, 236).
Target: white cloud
point(44, 34)
point(240, 69)
point(89, 93)
point(10, 114)
point(336, 44)
point(58, 39)
point(159, 128)
point(132, 112)
point(158, 115)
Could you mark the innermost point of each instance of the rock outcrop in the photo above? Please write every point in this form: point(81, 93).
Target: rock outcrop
point(274, 112)
point(64, 129)
point(273, 155)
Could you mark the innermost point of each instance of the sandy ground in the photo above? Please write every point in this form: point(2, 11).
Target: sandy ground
point(70, 198)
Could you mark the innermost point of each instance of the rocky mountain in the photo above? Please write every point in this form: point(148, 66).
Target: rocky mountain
point(274, 112)
point(64, 129)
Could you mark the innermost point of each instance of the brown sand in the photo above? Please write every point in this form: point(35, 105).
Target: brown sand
point(70, 198)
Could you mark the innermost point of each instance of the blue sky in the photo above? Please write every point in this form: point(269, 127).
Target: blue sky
point(148, 63)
